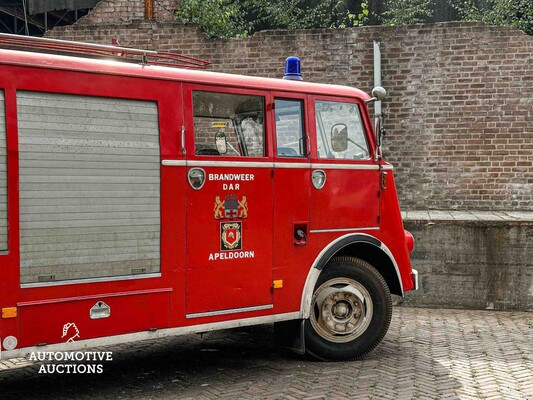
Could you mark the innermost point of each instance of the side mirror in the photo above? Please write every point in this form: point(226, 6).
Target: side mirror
point(221, 142)
point(379, 93)
point(339, 137)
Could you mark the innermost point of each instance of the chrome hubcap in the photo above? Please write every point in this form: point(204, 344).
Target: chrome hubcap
point(341, 310)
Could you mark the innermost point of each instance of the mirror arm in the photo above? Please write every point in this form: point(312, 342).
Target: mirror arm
point(378, 94)
point(379, 137)
point(377, 154)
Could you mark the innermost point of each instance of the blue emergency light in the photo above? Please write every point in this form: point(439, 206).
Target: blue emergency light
point(292, 69)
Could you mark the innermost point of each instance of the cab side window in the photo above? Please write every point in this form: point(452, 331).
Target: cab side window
point(340, 131)
point(290, 137)
point(228, 124)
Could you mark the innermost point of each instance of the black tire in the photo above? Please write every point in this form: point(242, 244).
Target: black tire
point(351, 311)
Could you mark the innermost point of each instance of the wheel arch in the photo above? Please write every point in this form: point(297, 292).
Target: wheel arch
point(363, 246)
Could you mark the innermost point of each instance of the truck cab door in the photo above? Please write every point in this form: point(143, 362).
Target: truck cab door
point(229, 202)
point(344, 196)
point(292, 251)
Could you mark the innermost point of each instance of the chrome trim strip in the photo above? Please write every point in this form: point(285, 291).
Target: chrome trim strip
point(415, 279)
point(310, 282)
point(229, 164)
point(345, 166)
point(147, 335)
point(312, 276)
point(230, 311)
point(389, 253)
point(90, 280)
point(267, 164)
point(174, 163)
point(292, 165)
point(374, 228)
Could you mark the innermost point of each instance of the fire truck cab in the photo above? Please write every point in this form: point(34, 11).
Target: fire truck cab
point(141, 201)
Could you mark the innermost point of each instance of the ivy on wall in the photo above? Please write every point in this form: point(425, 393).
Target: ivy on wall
point(241, 18)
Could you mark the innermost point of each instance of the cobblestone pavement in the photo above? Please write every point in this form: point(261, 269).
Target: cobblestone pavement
point(427, 354)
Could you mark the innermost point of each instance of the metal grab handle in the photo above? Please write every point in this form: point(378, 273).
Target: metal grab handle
point(183, 151)
point(300, 238)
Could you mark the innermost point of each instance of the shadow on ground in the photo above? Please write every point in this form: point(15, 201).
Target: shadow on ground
point(241, 363)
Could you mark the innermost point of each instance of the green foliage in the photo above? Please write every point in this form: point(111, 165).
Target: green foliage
point(295, 14)
point(220, 18)
point(238, 18)
point(406, 12)
point(517, 13)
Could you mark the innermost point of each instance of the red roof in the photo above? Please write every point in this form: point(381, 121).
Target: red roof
point(52, 61)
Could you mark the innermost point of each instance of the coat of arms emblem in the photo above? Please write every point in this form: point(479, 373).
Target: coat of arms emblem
point(230, 236)
point(231, 207)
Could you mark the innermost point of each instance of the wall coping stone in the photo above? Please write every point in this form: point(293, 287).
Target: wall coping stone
point(456, 216)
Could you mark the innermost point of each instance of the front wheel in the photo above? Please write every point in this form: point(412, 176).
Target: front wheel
point(351, 310)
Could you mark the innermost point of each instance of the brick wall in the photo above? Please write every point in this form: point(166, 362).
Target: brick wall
point(460, 106)
point(126, 11)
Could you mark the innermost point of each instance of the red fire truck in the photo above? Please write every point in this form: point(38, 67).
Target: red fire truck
point(139, 201)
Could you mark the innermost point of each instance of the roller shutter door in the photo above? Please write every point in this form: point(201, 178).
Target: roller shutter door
point(89, 187)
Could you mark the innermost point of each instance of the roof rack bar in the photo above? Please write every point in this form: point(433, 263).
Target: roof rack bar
point(91, 49)
point(33, 39)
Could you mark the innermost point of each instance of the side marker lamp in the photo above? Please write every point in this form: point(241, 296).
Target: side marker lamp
point(9, 312)
point(384, 180)
point(277, 284)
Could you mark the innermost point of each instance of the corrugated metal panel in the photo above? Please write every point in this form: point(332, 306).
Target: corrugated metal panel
point(40, 6)
point(3, 175)
point(89, 186)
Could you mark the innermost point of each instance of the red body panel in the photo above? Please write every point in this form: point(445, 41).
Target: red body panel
point(279, 199)
point(214, 280)
point(135, 311)
point(351, 198)
point(392, 233)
